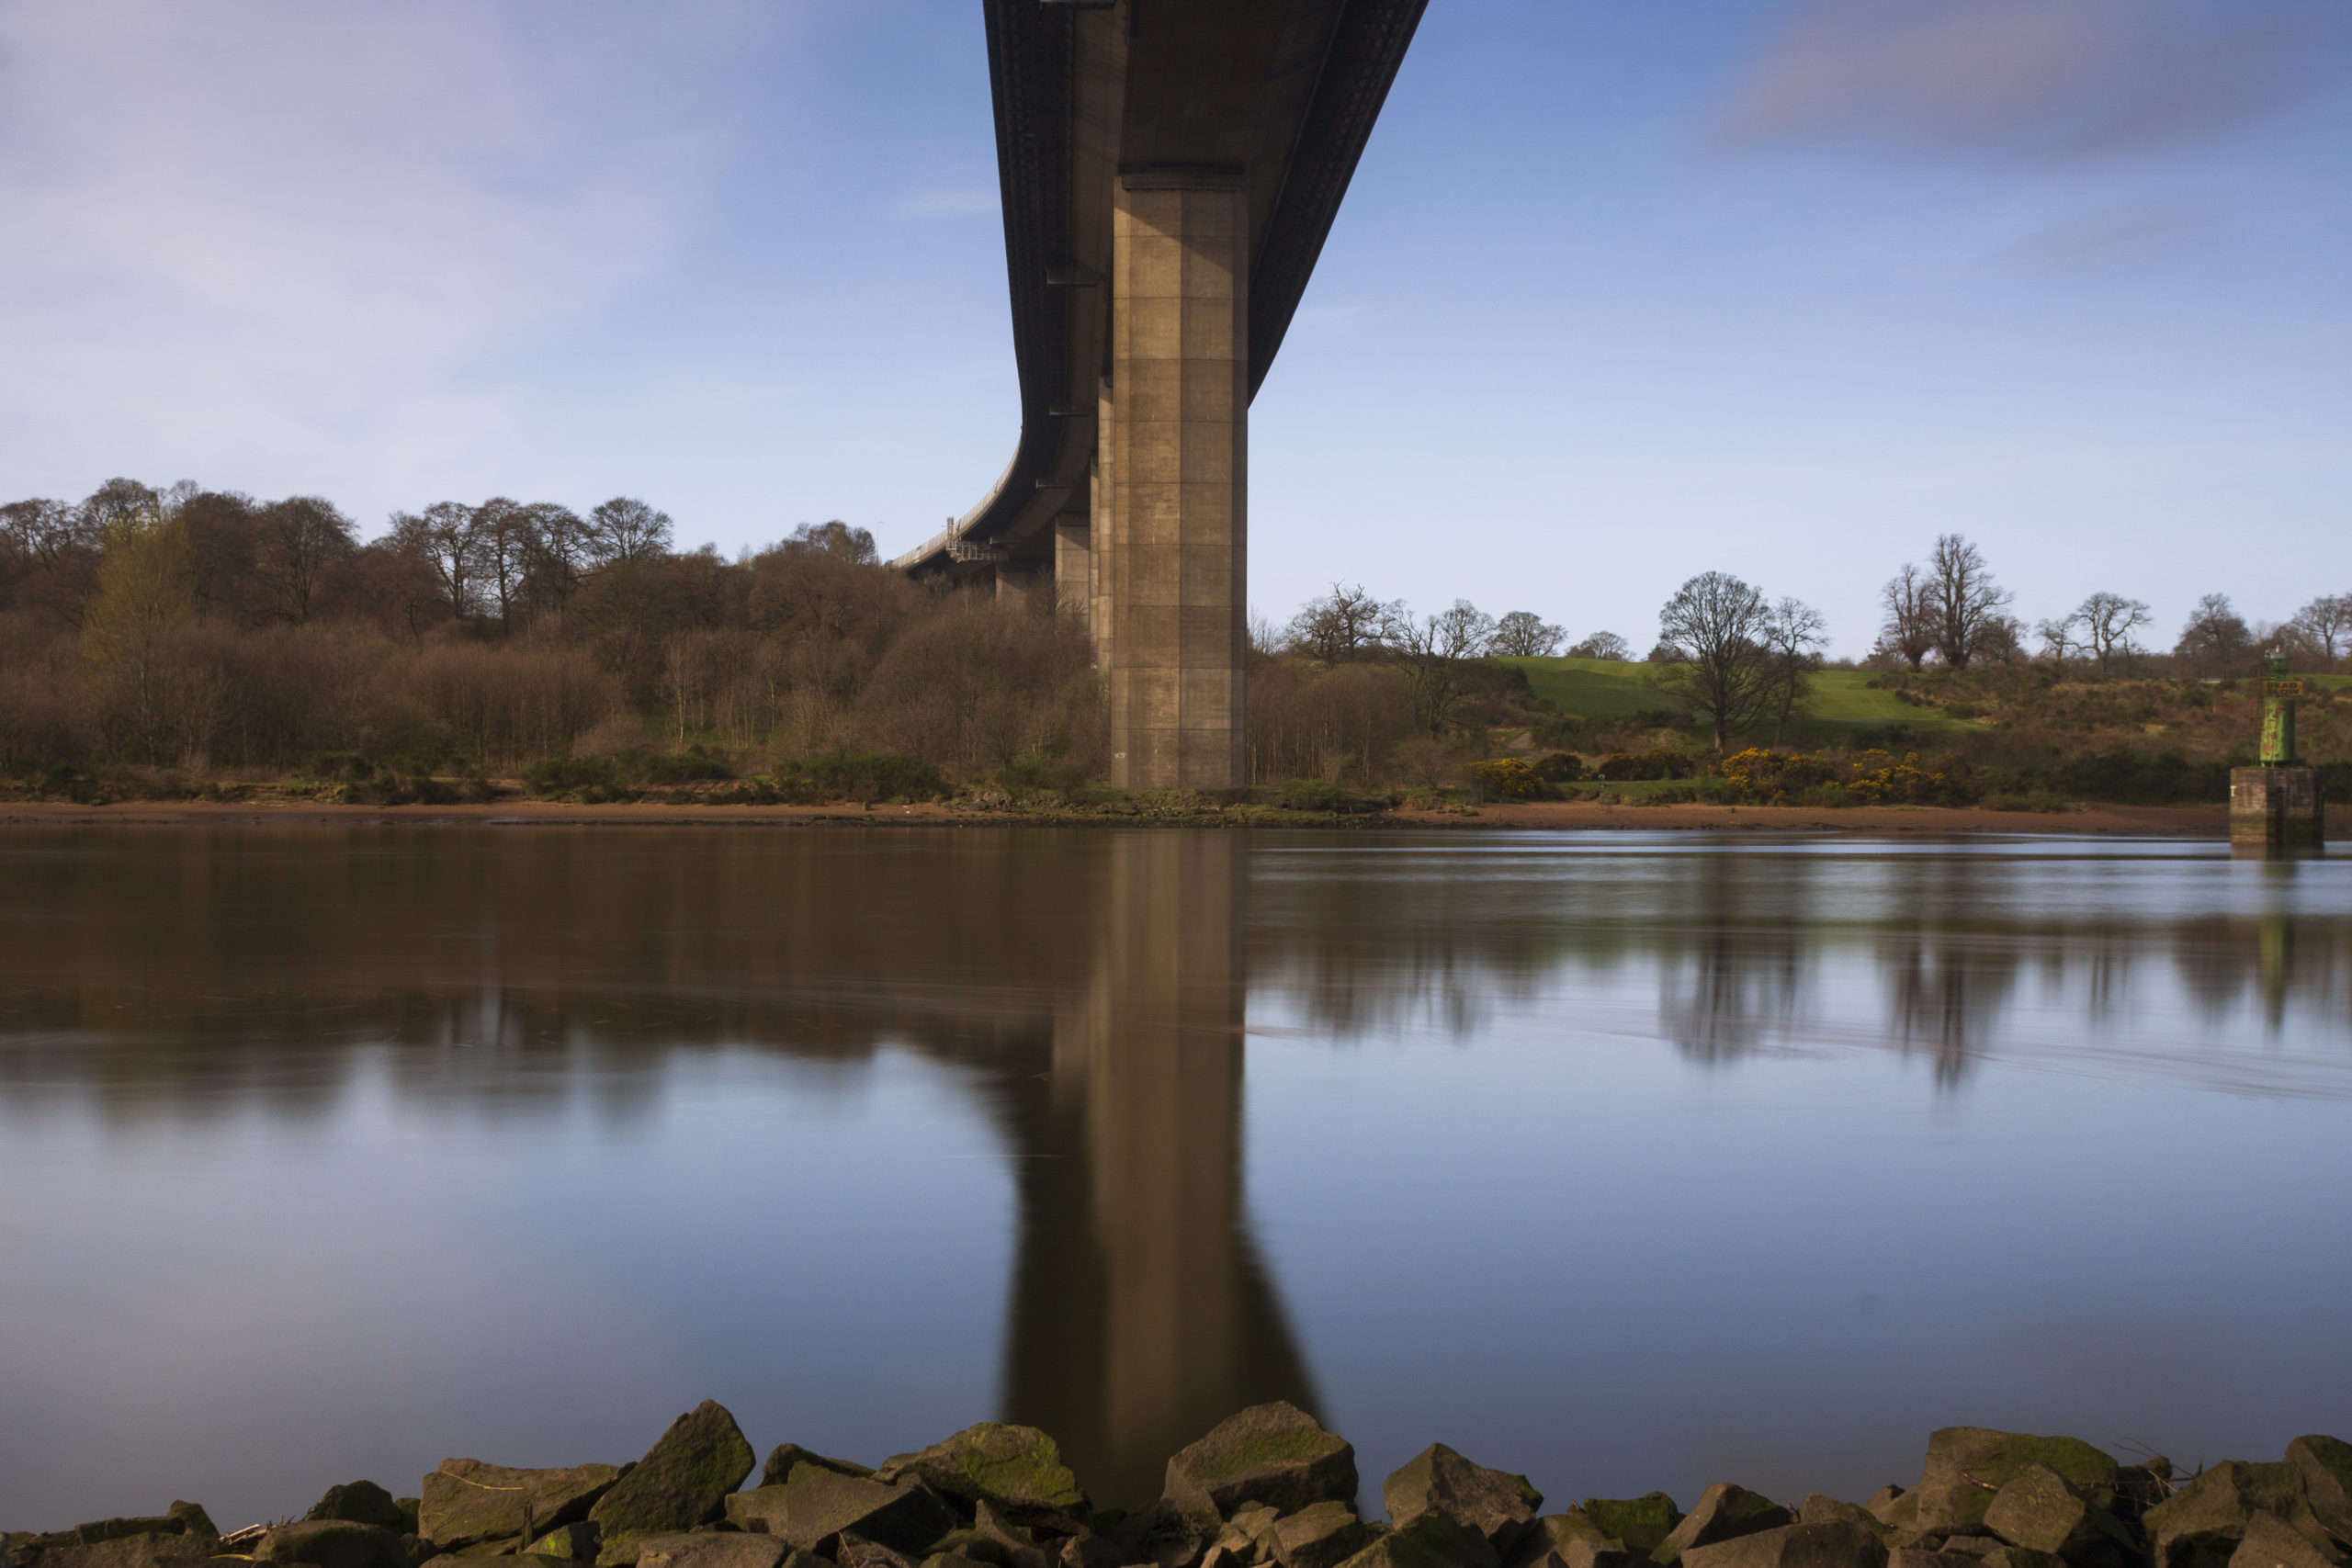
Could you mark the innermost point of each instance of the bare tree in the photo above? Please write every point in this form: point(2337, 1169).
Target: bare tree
point(1909, 631)
point(835, 538)
point(1523, 634)
point(295, 541)
point(442, 535)
point(1966, 605)
point(559, 551)
point(1726, 674)
point(1433, 650)
point(1794, 635)
point(2216, 641)
point(2058, 638)
point(1343, 624)
point(2108, 620)
point(2326, 623)
point(1603, 645)
point(627, 529)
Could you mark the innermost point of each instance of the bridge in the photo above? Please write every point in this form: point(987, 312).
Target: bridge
point(1169, 170)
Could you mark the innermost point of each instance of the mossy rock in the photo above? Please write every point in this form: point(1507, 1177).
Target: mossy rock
point(1275, 1454)
point(711, 1549)
point(1642, 1523)
point(1497, 1505)
point(1018, 1468)
point(2325, 1464)
point(333, 1543)
point(465, 1502)
point(2203, 1524)
point(683, 1479)
point(1725, 1512)
point(777, 1469)
point(1839, 1543)
point(815, 1506)
point(1321, 1536)
point(1431, 1541)
point(1967, 1465)
point(1570, 1540)
point(2037, 1509)
point(363, 1503)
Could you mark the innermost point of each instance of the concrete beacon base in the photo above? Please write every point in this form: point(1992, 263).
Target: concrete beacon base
point(2276, 806)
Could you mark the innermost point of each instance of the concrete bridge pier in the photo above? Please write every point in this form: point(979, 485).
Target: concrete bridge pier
point(1176, 452)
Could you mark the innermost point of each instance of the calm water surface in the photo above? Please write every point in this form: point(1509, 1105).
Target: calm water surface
point(1631, 1160)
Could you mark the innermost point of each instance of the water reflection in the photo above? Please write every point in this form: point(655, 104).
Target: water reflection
point(1092, 991)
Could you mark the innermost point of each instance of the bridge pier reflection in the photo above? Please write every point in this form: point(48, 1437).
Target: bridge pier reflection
point(1141, 1313)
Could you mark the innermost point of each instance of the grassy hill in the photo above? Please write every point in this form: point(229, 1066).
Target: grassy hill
point(1842, 703)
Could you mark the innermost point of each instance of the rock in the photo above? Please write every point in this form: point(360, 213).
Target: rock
point(1015, 1546)
point(813, 1506)
point(1322, 1535)
point(194, 1520)
point(1244, 1541)
point(1015, 1468)
point(779, 1468)
point(1498, 1505)
point(852, 1550)
point(2019, 1557)
point(1966, 1465)
point(2037, 1508)
point(169, 1548)
point(1431, 1541)
point(466, 1501)
point(1725, 1513)
point(950, 1560)
point(1642, 1523)
point(1840, 1544)
point(333, 1543)
point(683, 1479)
point(1882, 1502)
point(2325, 1465)
point(1817, 1509)
point(2271, 1543)
point(1977, 1546)
point(362, 1503)
point(711, 1549)
point(1570, 1540)
point(2140, 1488)
point(2201, 1525)
point(570, 1543)
point(1274, 1454)
point(1919, 1557)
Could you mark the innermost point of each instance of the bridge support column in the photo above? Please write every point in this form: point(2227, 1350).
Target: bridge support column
point(1074, 568)
point(1176, 449)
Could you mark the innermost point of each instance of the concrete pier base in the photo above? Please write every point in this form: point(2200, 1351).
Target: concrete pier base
point(1174, 464)
point(2278, 806)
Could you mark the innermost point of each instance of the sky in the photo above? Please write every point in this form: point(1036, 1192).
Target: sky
point(1620, 293)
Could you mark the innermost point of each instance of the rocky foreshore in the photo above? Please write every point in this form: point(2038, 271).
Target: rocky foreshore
point(1268, 1487)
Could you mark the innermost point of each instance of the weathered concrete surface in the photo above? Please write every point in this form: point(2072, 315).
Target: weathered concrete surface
point(2287, 807)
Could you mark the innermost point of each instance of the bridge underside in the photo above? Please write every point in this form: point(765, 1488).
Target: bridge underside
point(1170, 171)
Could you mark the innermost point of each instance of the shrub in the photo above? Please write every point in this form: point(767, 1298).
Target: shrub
point(848, 775)
point(1560, 767)
point(1511, 778)
point(1657, 762)
point(682, 767)
point(569, 775)
point(339, 766)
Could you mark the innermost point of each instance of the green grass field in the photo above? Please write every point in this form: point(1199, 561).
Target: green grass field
point(1841, 701)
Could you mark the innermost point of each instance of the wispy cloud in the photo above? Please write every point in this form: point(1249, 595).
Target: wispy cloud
point(2046, 77)
point(2105, 242)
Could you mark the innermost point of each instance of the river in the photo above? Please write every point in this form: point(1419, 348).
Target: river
point(1626, 1160)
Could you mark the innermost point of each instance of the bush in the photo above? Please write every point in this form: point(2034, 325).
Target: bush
point(552, 776)
point(1657, 762)
point(847, 775)
point(1511, 778)
point(339, 766)
point(1322, 795)
point(682, 767)
point(1560, 767)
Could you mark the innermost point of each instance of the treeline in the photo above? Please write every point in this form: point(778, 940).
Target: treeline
point(205, 630)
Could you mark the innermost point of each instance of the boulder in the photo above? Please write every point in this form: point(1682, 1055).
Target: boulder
point(569, 1543)
point(1840, 1544)
point(2019, 1557)
point(1015, 1547)
point(2325, 1465)
point(1882, 1500)
point(2271, 1543)
point(333, 1543)
point(194, 1520)
point(169, 1548)
point(683, 1479)
point(1322, 1535)
point(466, 1501)
point(1642, 1523)
point(1017, 1468)
point(1920, 1557)
point(1498, 1505)
point(1274, 1454)
point(2201, 1525)
point(1431, 1541)
point(362, 1503)
point(951, 1560)
point(1725, 1513)
point(2037, 1508)
point(779, 1468)
point(1818, 1509)
point(1570, 1540)
point(815, 1506)
point(852, 1550)
point(711, 1549)
point(1243, 1541)
point(1967, 1465)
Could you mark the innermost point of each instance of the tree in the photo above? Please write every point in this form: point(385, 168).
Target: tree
point(1523, 634)
point(1727, 673)
point(627, 529)
point(146, 587)
point(2327, 623)
point(1909, 630)
point(1343, 624)
point(2215, 641)
point(836, 539)
point(1966, 605)
point(443, 536)
point(1433, 650)
point(2108, 621)
point(2058, 638)
point(1603, 645)
point(1793, 637)
point(558, 542)
point(295, 541)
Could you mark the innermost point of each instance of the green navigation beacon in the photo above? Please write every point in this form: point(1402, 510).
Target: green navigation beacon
point(2279, 694)
point(2277, 807)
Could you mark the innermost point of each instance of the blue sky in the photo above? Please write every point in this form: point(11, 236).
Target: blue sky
point(1621, 292)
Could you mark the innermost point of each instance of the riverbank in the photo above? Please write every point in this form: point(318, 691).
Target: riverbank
point(2187, 821)
point(1267, 1485)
